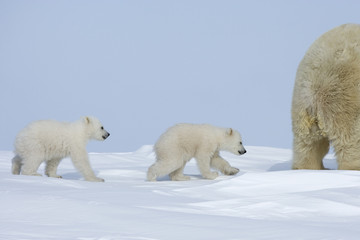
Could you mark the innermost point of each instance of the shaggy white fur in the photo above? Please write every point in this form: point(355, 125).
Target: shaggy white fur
point(51, 141)
point(182, 142)
point(326, 101)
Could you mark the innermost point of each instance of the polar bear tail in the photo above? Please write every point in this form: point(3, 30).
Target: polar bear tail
point(16, 165)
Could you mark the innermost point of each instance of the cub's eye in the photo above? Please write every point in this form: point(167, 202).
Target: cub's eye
point(102, 128)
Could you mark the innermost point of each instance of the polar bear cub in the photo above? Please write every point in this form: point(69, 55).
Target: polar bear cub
point(183, 142)
point(50, 141)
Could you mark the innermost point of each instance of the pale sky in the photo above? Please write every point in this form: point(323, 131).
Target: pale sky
point(143, 66)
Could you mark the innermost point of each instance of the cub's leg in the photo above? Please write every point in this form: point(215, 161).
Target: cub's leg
point(31, 164)
point(51, 167)
point(81, 162)
point(163, 167)
point(16, 165)
point(203, 162)
point(178, 175)
point(222, 165)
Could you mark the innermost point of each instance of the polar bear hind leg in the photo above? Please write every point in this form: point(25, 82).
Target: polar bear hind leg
point(164, 167)
point(310, 146)
point(178, 175)
point(30, 165)
point(51, 167)
point(16, 165)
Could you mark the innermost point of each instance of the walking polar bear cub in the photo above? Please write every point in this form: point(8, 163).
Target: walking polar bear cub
point(51, 141)
point(182, 142)
point(326, 101)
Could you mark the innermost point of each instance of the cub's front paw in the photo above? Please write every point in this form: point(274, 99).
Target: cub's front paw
point(53, 175)
point(231, 171)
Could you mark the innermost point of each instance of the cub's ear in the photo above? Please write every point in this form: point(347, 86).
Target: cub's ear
point(86, 120)
point(229, 131)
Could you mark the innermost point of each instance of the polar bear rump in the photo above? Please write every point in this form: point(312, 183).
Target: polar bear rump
point(326, 101)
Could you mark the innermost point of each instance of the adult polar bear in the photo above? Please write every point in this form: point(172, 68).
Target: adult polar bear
point(51, 141)
point(184, 141)
point(326, 101)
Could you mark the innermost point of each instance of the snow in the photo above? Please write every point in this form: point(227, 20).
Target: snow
point(265, 200)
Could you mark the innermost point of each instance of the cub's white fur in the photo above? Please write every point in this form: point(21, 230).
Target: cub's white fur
point(203, 142)
point(51, 141)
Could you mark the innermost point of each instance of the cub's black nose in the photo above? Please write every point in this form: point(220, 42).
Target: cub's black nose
point(241, 153)
point(106, 136)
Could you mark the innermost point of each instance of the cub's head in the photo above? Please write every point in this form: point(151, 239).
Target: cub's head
point(95, 129)
point(233, 142)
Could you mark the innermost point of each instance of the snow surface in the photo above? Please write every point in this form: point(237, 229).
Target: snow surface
point(265, 200)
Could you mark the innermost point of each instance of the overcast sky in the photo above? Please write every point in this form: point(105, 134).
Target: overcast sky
point(143, 66)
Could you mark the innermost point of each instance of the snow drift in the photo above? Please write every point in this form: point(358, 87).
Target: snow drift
point(265, 200)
